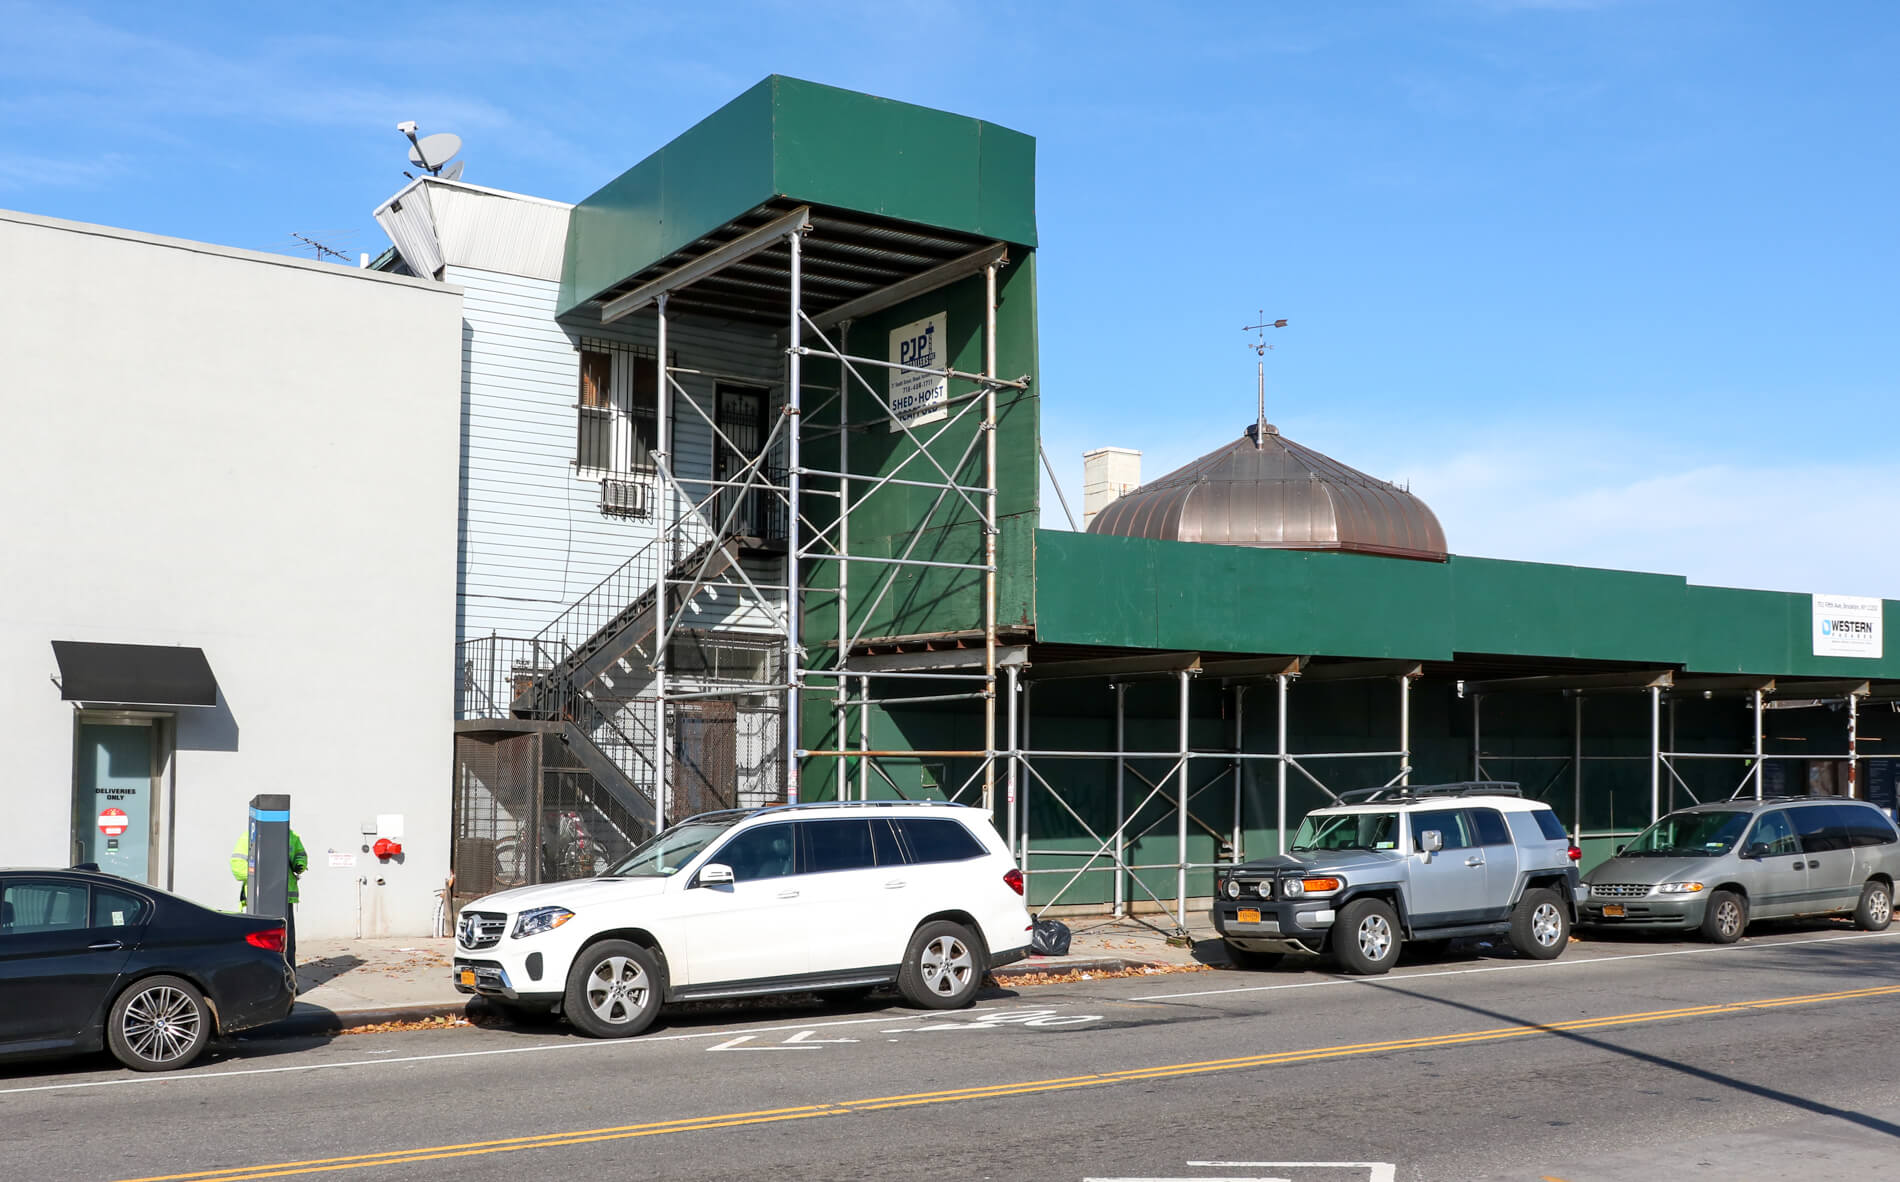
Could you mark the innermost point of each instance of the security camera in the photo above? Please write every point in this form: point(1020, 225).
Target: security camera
point(407, 127)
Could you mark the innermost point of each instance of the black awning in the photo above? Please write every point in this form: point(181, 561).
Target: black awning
point(134, 674)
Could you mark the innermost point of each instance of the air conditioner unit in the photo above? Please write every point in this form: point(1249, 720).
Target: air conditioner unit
point(620, 497)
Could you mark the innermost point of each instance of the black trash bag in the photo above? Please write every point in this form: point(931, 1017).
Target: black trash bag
point(1051, 938)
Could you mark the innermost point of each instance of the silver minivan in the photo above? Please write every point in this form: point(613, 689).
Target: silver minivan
point(1715, 867)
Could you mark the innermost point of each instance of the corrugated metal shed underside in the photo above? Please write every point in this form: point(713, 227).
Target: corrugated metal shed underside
point(846, 255)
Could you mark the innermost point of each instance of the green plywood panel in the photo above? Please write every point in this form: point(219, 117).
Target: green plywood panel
point(1142, 594)
point(885, 522)
point(810, 143)
point(1535, 609)
point(714, 172)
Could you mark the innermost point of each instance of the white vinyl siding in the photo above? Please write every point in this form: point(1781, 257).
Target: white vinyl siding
point(533, 539)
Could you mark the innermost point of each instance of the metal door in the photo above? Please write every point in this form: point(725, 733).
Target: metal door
point(1500, 860)
point(1447, 887)
point(739, 413)
point(56, 967)
point(1832, 882)
point(1774, 867)
point(112, 802)
point(757, 928)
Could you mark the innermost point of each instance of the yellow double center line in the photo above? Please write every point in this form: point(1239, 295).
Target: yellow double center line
point(844, 1108)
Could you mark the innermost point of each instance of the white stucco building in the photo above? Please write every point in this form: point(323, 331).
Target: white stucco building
point(245, 465)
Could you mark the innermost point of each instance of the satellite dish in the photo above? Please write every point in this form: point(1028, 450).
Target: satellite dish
point(433, 151)
point(453, 172)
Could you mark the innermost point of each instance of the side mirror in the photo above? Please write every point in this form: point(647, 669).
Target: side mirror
point(1432, 840)
point(1756, 849)
point(715, 874)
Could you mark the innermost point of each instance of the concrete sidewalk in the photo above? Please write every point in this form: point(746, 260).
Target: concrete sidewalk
point(349, 983)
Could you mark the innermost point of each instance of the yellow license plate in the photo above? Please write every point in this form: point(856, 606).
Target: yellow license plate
point(1249, 915)
point(1613, 911)
point(468, 977)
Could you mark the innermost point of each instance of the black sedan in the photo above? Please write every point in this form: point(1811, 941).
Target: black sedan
point(90, 960)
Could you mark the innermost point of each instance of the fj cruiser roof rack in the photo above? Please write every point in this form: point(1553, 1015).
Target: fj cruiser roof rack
point(1419, 791)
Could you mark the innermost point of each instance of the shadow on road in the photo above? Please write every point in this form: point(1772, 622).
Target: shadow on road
point(1761, 1091)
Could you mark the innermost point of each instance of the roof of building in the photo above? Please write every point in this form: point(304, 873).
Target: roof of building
point(1265, 490)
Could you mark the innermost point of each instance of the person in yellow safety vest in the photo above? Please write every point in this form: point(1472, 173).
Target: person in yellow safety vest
point(299, 862)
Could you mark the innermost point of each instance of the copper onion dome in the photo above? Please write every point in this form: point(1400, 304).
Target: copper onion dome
point(1278, 495)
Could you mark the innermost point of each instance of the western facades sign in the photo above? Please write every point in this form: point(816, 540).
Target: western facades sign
point(1847, 626)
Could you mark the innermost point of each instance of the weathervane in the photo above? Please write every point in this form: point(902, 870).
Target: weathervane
point(1260, 348)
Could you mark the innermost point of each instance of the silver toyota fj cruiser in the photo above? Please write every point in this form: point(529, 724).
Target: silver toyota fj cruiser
point(1425, 864)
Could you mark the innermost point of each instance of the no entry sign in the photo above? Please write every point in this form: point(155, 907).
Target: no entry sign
point(113, 822)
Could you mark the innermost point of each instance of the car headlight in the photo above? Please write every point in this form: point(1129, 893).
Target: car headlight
point(1293, 888)
point(1264, 888)
point(1233, 888)
point(1678, 888)
point(540, 919)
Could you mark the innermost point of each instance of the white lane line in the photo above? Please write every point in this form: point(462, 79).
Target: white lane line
point(1508, 968)
point(576, 1045)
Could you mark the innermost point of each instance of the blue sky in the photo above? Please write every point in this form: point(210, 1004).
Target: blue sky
point(1610, 283)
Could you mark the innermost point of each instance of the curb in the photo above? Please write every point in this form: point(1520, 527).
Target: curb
point(1038, 965)
point(308, 1019)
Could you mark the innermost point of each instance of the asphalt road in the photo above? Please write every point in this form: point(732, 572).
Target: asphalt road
point(1627, 1059)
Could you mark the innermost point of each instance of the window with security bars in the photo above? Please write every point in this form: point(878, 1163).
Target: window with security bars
point(618, 410)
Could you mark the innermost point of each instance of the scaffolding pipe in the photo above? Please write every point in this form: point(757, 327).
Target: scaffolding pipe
point(844, 581)
point(1673, 777)
point(662, 407)
point(1655, 753)
point(1181, 801)
point(1121, 798)
point(1477, 745)
point(1853, 745)
point(1405, 728)
point(794, 609)
point(1280, 766)
point(864, 738)
point(1759, 737)
point(1015, 751)
point(1240, 740)
point(989, 537)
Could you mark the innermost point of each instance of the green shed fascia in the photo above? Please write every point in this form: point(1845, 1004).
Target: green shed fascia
point(1136, 593)
point(811, 143)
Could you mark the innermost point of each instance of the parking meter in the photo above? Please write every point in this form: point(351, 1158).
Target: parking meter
point(267, 860)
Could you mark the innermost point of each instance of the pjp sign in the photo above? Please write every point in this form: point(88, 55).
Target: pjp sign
point(919, 397)
point(1847, 626)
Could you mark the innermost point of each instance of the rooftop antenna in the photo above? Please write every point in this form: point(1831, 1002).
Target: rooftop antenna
point(432, 152)
point(319, 248)
point(1260, 348)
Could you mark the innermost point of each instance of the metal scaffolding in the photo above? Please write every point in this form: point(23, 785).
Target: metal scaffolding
point(818, 539)
point(1187, 772)
point(1662, 690)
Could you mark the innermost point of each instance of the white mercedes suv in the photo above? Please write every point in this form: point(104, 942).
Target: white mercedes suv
point(838, 897)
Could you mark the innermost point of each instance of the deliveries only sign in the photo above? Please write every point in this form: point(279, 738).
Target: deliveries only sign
point(113, 822)
point(1846, 626)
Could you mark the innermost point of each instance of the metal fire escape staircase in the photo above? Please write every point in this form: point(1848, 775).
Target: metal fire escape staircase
point(591, 670)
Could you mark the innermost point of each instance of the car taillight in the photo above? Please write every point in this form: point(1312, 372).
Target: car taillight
point(1576, 854)
point(270, 939)
point(1014, 880)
